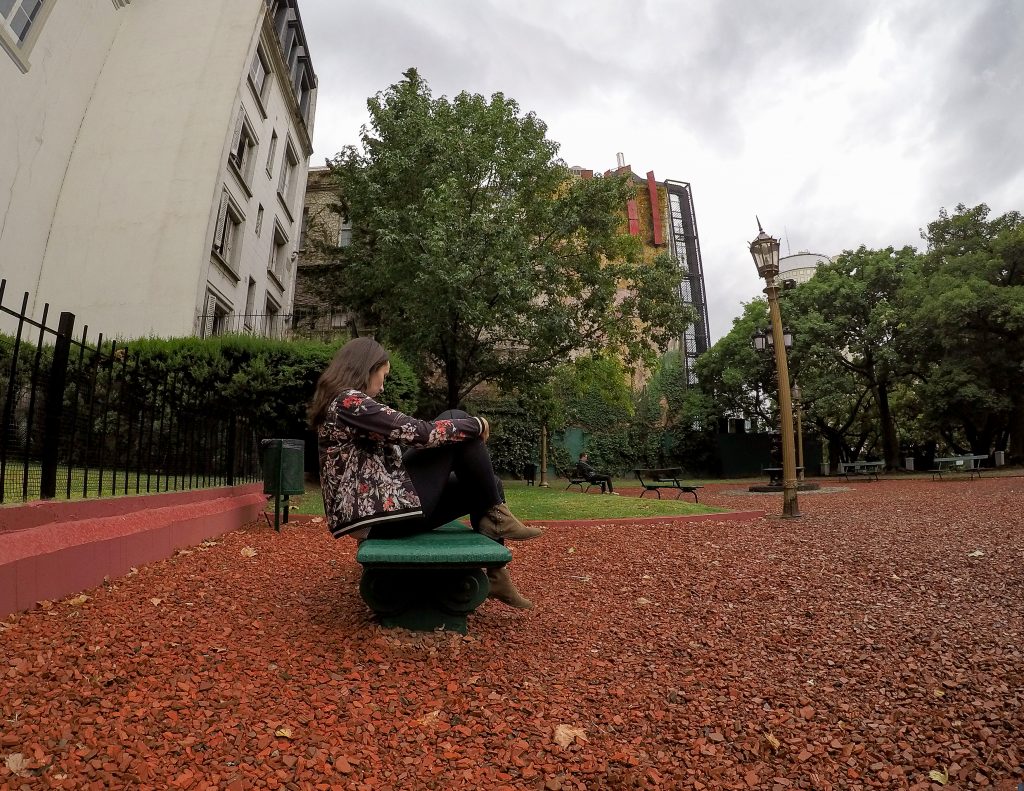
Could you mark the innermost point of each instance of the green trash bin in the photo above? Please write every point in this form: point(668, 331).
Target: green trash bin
point(283, 472)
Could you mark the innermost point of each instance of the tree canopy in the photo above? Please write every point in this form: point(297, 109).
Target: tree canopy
point(477, 254)
point(898, 352)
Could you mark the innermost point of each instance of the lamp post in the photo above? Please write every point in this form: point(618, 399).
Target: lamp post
point(765, 252)
point(544, 456)
point(799, 431)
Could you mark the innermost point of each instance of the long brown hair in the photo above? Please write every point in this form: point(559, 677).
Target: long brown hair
point(349, 370)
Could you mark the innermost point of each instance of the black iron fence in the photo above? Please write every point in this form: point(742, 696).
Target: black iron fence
point(84, 418)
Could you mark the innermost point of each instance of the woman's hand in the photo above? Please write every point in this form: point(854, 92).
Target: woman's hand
point(486, 428)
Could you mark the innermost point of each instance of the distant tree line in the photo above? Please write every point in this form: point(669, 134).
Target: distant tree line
point(897, 352)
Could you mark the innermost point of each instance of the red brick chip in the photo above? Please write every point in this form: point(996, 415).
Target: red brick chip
point(877, 642)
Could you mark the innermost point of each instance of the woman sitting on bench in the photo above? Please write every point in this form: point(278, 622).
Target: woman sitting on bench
point(372, 490)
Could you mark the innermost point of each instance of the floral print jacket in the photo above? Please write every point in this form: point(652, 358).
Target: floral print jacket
point(361, 472)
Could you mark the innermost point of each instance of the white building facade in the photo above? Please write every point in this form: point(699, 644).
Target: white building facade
point(155, 158)
point(801, 266)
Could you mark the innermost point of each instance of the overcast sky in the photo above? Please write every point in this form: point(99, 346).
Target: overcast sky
point(839, 123)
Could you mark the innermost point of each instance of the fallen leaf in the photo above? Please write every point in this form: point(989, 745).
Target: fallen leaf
point(938, 693)
point(155, 602)
point(46, 604)
point(284, 732)
point(571, 549)
point(772, 741)
point(939, 777)
point(209, 544)
point(566, 735)
point(16, 763)
point(316, 520)
point(642, 600)
point(81, 599)
point(430, 717)
point(975, 554)
point(184, 552)
point(248, 552)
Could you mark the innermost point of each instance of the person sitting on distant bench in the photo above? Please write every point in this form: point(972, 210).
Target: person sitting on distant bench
point(585, 470)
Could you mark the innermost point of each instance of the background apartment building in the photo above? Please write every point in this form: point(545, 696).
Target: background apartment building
point(155, 158)
point(662, 217)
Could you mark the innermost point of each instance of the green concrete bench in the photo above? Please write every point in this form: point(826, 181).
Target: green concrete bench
point(428, 581)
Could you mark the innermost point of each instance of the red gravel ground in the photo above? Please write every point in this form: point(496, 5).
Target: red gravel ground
point(874, 643)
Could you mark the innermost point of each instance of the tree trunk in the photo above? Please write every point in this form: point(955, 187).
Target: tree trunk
point(454, 381)
point(1016, 450)
point(890, 447)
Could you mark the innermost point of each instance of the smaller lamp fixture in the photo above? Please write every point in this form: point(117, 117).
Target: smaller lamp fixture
point(763, 339)
point(765, 252)
point(796, 392)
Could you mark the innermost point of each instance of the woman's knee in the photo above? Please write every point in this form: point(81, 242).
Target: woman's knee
point(450, 414)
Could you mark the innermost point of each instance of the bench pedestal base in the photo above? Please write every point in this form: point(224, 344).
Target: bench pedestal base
point(428, 581)
point(424, 600)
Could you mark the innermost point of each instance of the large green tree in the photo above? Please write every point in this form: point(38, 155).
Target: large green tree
point(476, 253)
point(848, 321)
point(966, 327)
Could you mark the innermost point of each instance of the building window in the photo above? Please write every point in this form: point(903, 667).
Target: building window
point(259, 77)
point(271, 154)
point(289, 169)
point(271, 319)
point(250, 303)
point(20, 23)
point(259, 220)
point(243, 147)
point(304, 90)
point(345, 233)
point(227, 235)
point(304, 228)
point(214, 320)
point(280, 257)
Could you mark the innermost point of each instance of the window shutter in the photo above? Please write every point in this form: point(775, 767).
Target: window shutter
point(283, 181)
point(273, 150)
point(254, 70)
point(218, 232)
point(211, 307)
point(237, 136)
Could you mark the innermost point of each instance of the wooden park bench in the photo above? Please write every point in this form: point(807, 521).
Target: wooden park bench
point(654, 480)
point(429, 581)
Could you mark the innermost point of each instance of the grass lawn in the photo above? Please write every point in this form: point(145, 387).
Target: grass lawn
point(532, 502)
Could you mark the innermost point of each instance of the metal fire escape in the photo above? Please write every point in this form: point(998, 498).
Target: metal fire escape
point(685, 248)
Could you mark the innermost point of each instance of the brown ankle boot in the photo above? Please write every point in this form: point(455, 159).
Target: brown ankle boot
point(498, 524)
point(505, 591)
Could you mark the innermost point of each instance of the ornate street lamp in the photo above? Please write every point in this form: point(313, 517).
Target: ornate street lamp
point(765, 252)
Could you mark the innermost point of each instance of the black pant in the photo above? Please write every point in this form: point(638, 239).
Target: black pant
point(604, 480)
point(452, 480)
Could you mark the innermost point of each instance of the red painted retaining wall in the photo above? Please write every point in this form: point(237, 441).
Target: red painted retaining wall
point(49, 550)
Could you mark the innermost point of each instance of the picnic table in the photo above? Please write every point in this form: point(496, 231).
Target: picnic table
point(970, 464)
point(775, 474)
point(868, 468)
